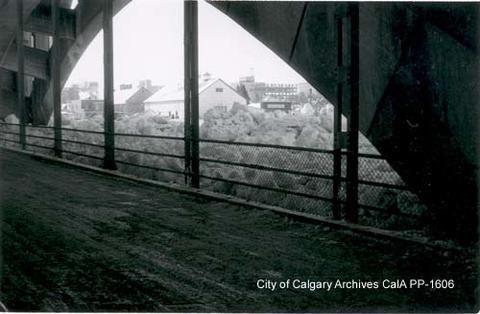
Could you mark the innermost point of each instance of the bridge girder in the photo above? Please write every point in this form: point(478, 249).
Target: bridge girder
point(77, 29)
point(40, 21)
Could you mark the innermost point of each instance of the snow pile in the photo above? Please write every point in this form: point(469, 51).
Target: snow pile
point(149, 123)
point(246, 124)
point(12, 119)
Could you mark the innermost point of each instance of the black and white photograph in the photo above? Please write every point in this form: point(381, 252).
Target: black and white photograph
point(205, 156)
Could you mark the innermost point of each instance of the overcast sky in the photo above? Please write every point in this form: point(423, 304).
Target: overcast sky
point(148, 43)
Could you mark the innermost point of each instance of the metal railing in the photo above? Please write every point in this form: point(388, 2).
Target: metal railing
point(97, 146)
point(303, 172)
point(297, 178)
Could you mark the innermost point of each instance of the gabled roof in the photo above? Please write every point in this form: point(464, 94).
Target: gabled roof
point(122, 96)
point(177, 94)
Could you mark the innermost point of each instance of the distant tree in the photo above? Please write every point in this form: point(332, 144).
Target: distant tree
point(302, 98)
point(243, 92)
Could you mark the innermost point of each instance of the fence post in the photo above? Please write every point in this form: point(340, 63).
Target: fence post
point(353, 124)
point(186, 87)
point(21, 74)
point(337, 116)
point(108, 105)
point(56, 85)
point(191, 89)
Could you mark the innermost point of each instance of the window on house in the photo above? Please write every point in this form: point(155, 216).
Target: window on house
point(219, 90)
point(222, 108)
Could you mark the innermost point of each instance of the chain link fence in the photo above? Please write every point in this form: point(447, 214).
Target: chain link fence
point(152, 157)
point(9, 135)
point(292, 177)
point(301, 179)
point(384, 199)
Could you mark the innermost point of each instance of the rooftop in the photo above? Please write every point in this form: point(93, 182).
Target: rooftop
point(121, 96)
point(178, 93)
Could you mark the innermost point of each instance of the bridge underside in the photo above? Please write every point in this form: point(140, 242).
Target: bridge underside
point(419, 86)
point(419, 81)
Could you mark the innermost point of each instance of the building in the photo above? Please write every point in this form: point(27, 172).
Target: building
point(259, 91)
point(131, 100)
point(212, 93)
point(307, 92)
point(92, 107)
point(127, 101)
point(92, 88)
point(79, 100)
point(126, 86)
point(256, 90)
point(284, 92)
point(148, 85)
point(247, 79)
point(80, 91)
point(270, 104)
point(73, 110)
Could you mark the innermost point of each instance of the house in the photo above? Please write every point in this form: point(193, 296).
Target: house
point(212, 93)
point(127, 101)
point(130, 100)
